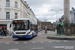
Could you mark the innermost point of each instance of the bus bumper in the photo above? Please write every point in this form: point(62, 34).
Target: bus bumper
point(23, 36)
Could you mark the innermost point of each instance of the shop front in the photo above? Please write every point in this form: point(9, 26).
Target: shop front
point(3, 26)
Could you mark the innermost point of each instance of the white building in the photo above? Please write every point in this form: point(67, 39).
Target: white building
point(13, 9)
point(72, 12)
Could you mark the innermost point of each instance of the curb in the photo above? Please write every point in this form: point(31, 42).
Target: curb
point(1, 38)
point(61, 38)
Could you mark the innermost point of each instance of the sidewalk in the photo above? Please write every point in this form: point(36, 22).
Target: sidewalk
point(1, 37)
point(52, 35)
point(48, 32)
point(61, 37)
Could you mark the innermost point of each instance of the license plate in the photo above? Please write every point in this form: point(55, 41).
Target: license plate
point(20, 36)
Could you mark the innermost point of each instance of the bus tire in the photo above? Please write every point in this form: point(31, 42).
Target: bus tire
point(32, 35)
point(35, 35)
point(19, 38)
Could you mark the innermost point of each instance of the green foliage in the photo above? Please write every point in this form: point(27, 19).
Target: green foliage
point(73, 35)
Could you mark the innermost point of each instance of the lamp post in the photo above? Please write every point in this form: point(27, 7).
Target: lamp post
point(56, 12)
point(56, 17)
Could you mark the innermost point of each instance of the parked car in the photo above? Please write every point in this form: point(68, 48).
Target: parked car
point(48, 29)
point(53, 29)
point(40, 30)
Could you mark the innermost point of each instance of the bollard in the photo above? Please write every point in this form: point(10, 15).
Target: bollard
point(46, 31)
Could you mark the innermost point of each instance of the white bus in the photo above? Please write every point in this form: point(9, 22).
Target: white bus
point(23, 28)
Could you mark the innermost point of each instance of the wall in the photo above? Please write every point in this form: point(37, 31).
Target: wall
point(21, 10)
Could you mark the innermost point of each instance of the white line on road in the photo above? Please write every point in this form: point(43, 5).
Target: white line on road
point(58, 41)
point(13, 49)
point(25, 42)
point(50, 41)
point(6, 43)
point(33, 42)
point(42, 42)
point(16, 42)
point(6, 36)
point(37, 48)
point(65, 41)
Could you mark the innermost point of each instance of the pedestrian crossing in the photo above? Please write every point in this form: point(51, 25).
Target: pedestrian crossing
point(41, 42)
point(13, 49)
point(4, 36)
point(38, 42)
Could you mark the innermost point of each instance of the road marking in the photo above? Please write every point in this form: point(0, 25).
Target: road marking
point(37, 48)
point(6, 36)
point(63, 47)
point(6, 43)
point(50, 41)
point(33, 42)
point(42, 42)
point(65, 41)
point(16, 42)
point(58, 41)
point(13, 49)
point(25, 42)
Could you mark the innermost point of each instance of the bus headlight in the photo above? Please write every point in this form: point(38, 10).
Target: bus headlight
point(28, 33)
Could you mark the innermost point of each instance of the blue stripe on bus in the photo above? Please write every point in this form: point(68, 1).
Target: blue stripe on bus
point(23, 36)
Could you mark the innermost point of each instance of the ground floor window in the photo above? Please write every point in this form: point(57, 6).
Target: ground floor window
point(3, 26)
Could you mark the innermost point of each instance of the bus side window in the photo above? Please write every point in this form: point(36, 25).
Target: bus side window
point(31, 27)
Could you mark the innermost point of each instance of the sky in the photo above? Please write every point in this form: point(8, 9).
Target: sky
point(48, 10)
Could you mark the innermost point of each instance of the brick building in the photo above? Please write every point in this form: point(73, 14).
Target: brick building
point(47, 25)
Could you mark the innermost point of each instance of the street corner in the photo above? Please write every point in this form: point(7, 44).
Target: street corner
point(2, 37)
point(61, 37)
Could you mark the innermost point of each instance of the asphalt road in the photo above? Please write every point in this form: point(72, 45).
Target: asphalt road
point(51, 45)
point(37, 43)
point(40, 37)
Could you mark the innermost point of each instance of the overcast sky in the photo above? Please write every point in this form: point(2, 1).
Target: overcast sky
point(42, 8)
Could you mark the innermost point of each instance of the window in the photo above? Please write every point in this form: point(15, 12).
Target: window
point(16, 15)
point(16, 4)
point(7, 3)
point(28, 13)
point(7, 15)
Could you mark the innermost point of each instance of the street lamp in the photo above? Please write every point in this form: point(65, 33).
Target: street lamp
point(56, 12)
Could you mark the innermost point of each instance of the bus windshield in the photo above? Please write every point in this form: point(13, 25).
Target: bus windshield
point(20, 25)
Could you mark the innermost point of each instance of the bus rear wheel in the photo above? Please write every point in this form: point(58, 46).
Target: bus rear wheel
point(19, 38)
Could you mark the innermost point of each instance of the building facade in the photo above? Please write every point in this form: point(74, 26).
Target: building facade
point(47, 25)
point(14, 9)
